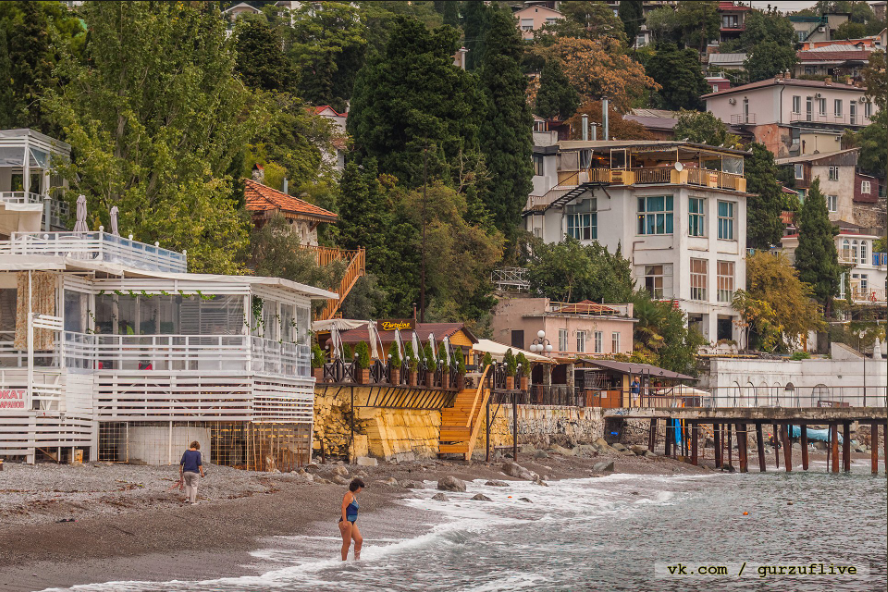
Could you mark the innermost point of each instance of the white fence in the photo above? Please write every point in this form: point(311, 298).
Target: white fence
point(96, 246)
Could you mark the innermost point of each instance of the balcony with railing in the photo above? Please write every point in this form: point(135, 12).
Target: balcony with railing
point(96, 246)
point(743, 119)
point(826, 118)
point(653, 176)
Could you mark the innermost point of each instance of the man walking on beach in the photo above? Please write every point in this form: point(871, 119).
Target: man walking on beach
point(191, 470)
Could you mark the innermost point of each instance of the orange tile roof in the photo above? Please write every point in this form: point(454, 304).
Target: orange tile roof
point(262, 198)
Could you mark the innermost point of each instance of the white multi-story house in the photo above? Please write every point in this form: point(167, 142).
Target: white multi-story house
point(27, 183)
point(864, 271)
point(108, 346)
point(676, 210)
point(779, 111)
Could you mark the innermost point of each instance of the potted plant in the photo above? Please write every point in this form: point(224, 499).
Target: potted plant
point(525, 370)
point(461, 372)
point(412, 364)
point(395, 364)
point(430, 364)
point(511, 365)
point(445, 366)
point(317, 362)
point(486, 361)
point(362, 363)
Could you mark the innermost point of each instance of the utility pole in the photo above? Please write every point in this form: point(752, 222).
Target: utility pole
point(422, 273)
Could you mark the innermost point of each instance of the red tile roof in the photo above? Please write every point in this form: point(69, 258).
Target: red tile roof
point(829, 56)
point(262, 198)
point(320, 109)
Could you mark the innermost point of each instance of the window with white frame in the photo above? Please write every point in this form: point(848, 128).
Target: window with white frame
point(538, 165)
point(838, 107)
point(581, 341)
point(863, 252)
point(821, 106)
point(842, 280)
point(562, 340)
point(527, 24)
point(655, 215)
point(833, 173)
point(582, 220)
point(725, 279)
point(832, 203)
point(698, 278)
point(726, 220)
point(796, 104)
point(599, 338)
point(696, 226)
point(799, 171)
point(868, 109)
point(865, 186)
point(658, 281)
point(615, 342)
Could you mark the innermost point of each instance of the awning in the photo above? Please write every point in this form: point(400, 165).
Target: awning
point(498, 350)
point(633, 369)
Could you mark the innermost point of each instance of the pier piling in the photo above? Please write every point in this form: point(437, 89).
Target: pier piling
point(695, 433)
point(729, 443)
point(760, 441)
point(787, 447)
point(846, 447)
point(776, 438)
point(803, 441)
point(716, 438)
point(834, 439)
point(669, 436)
point(874, 447)
point(653, 435)
point(742, 447)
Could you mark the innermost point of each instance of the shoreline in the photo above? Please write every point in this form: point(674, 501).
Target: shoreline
point(151, 536)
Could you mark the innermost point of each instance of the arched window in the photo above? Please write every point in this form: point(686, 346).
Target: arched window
point(749, 395)
point(819, 393)
point(789, 395)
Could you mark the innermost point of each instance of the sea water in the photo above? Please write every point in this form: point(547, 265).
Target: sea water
point(621, 532)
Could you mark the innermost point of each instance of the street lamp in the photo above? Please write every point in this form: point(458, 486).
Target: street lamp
point(541, 344)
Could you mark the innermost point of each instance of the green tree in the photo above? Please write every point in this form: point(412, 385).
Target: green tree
point(662, 336)
point(260, 58)
point(873, 143)
point(556, 98)
point(816, 257)
point(584, 20)
point(570, 271)
point(475, 22)
point(768, 59)
point(664, 25)
point(506, 136)
point(451, 14)
point(764, 227)
point(699, 23)
point(850, 30)
point(761, 26)
point(704, 128)
point(776, 306)
point(34, 31)
point(364, 214)
point(8, 115)
point(158, 118)
point(875, 80)
point(327, 47)
point(678, 72)
point(412, 102)
point(632, 16)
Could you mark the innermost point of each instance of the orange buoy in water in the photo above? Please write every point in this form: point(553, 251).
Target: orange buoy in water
point(510, 497)
point(746, 513)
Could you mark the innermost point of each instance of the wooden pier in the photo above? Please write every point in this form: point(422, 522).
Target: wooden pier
point(736, 426)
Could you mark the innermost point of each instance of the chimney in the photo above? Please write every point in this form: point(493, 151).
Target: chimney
point(594, 132)
point(787, 75)
point(828, 81)
point(585, 124)
point(286, 185)
point(258, 173)
point(604, 118)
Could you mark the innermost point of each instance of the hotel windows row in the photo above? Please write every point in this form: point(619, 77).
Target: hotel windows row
point(655, 216)
point(700, 280)
point(597, 341)
point(821, 103)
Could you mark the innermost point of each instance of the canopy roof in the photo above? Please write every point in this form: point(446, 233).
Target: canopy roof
point(633, 369)
point(498, 350)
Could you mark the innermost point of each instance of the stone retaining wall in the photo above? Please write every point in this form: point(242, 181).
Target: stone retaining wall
point(543, 425)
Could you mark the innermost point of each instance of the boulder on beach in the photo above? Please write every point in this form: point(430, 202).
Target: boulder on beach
point(604, 466)
point(618, 446)
point(524, 499)
point(412, 484)
point(366, 461)
point(481, 497)
point(515, 470)
point(440, 497)
point(391, 481)
point(495, 483)
point(649, 454)
point(340, 470)
point(340, 480)
point(561, 450)
point(540, 454)
point(638, 450)
point(451, 483)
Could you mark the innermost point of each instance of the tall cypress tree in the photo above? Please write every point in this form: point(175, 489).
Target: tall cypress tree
point(7, 110)
point(764, 227)
point(816, 257)
point(556, 97)
point(475, 21)
point(506, 130)
point(451, 14)
point(632, 15)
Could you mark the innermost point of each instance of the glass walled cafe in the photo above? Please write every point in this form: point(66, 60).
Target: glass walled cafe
point(122, 359)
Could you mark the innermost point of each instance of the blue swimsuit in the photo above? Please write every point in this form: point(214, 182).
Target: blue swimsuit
point(351, 511)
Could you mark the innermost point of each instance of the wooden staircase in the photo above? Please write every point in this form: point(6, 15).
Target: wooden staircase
point(461, 423)
point(355, 270)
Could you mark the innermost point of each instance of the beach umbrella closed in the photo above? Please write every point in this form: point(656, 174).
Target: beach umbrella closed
point(80, 225)
point(114, 229)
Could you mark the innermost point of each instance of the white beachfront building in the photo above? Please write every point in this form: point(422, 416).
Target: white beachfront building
point(110, 347)
point(676, 210)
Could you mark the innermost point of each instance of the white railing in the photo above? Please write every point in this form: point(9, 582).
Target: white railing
point(95, 246)
point(272, 357)
point(21, 197)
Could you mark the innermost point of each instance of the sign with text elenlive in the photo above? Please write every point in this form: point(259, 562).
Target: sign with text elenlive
point(12, 399)
point(392, 324)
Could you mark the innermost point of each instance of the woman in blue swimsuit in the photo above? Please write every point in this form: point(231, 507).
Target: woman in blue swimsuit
point(348, 527)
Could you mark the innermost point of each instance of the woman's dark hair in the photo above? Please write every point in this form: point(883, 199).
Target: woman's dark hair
point(355, 485)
